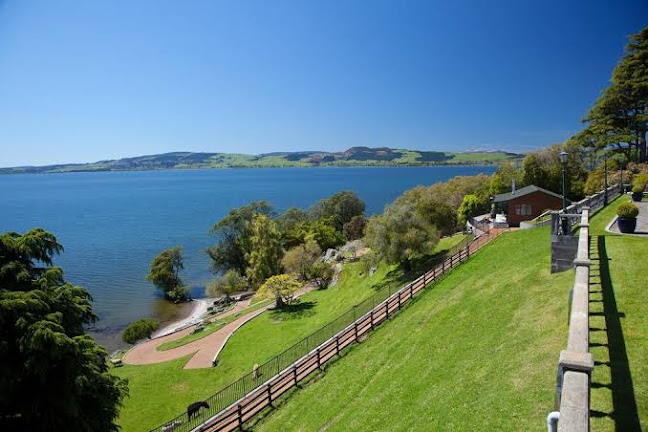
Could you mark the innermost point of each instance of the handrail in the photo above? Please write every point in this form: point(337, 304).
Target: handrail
point(576, 363)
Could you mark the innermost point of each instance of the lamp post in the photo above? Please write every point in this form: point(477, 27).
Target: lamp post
point(605, 195)
point(563, 161)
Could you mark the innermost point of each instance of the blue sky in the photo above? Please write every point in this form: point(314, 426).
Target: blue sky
point(88, 80)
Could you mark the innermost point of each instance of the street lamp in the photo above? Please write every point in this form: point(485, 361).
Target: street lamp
point(563, 160)
point(605, 196)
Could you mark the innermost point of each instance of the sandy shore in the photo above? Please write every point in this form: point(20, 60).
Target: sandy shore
point(197, 314)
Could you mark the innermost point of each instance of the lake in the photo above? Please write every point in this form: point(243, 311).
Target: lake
point(113, 223)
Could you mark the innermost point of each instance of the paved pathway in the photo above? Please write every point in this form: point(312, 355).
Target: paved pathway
point(204, 350)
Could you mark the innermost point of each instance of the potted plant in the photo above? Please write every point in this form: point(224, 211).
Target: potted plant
point(637, 193)
point(627, 220)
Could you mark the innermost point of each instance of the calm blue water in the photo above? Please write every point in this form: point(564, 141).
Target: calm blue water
point(113, 223)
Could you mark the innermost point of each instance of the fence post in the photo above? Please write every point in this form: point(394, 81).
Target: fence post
point(399, 300)
point(387, 310)
point(319, 364)
point(295, 374)
point(468, 251)
point(239, 414)
point(269, 389)
point(372, 322)
point(425, 278)
point(355, 328)
point(337, 345)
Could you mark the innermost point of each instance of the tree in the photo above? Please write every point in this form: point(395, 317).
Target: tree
point(293, 224)
point(354, 229)
point(339, 208)
point(325, 234)
point(54, 376)
point(470, 206)
point(227, 284)
point(233, 234)
point(300, 259)
point(165, 273)
point(544, 169)
point(502, 180)
point(322, 274)
point(619, 118)
point(400, 235)
point(280, 287)
point(140, 329)
point(265, 250)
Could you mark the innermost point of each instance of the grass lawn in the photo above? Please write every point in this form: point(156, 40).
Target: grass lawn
point(160, 391)
point(478, 351)
point(210, 328)
point(618, 327)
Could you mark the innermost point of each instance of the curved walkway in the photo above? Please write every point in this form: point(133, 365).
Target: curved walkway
point(204, 350)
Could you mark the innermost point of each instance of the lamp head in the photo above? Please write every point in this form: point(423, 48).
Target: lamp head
point(563, 157)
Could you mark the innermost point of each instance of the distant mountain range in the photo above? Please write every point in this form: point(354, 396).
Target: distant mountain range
point(355, 156)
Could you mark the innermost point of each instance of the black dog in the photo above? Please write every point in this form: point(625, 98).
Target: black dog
point(193, 409)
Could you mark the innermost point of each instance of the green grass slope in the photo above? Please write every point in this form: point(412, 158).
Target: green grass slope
point(618, 327)
point(476, 352)
point(157, 392)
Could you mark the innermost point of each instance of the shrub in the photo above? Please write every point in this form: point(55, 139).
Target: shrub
point(628, 210)
point(637, 190)
point(640, 181)
point(139, 329)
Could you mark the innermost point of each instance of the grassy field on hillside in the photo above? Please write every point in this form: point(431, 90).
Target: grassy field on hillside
point(618, 327)
point(478, 351)
point(157, 392)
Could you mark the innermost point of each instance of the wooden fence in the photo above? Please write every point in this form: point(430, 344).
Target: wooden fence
point(263, 396)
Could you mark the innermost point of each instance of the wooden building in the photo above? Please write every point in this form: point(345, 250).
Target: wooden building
point(525, 203)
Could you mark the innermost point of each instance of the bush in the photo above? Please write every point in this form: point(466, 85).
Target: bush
point(140, 329)
point(637, 190)
point(628, 210)
point(641, 181)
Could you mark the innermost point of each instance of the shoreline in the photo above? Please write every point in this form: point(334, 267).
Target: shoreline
point(196, 315)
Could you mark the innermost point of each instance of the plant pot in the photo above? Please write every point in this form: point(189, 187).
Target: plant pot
point(627, 225)
point(637, 196)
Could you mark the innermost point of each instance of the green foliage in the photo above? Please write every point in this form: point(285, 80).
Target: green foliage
point(354, 229)
point(293, 224)
point(325, 234)
point(618, 119)
point(544, 169)
point(640, 181)
point(140, 329)
point(265, 250)
point(227, 284)
point(628, 210)
point(300, 259)
point(165, 273)
point(322, 273)
point(280, 287)
point(470, 206)
point(502, 180)
point(339, 208)
point(638, 190)
point(400, 235)
point(54, 376)
point(233, 234)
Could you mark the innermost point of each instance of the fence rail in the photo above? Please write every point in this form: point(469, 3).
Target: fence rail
point(243, 399)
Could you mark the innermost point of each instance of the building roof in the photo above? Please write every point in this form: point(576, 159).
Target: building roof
point(523, 191)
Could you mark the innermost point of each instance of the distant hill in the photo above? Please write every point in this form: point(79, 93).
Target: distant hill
point(355, 156)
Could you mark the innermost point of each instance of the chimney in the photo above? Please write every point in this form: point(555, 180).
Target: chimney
point(513, 187)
